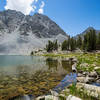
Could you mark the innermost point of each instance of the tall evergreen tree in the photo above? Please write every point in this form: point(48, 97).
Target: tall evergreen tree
point(72, 44)
point(55, 45)
point(49, 46)
point(85, 42)
point(90, 41)
point(68, 42)
point(79, 42)
point(98, 41)
point(65, 45)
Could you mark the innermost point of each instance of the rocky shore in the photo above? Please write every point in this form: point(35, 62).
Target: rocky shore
point(88, 80)
point(87, 67)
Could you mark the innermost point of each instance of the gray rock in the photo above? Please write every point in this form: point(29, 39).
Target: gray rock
point(50, 97)
point(96, 68)
point(74, 67)
point(70, 97)
point(80, 75)
point(85, 73)
point(84, 65)
point(81, 79)
point(54, 93)
point(75, 60)
point(93, 74)
point(85, 79)
point(98, 81)
point(40, 98)
point(91, 90)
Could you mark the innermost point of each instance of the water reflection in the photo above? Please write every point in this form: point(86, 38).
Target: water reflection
point(52, 63)
point(36, 78)
point(67, 65)
point(56, 64)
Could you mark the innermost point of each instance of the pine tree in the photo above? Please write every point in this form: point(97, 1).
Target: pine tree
point(85, 42)
point(55, 45)
point(98, 41)
point(32, 53)
point(49, 46)
point(72, 44)
point(90, 41)
point(79, 42)
point(94, 39)
point(65, 45)
point(69, 43)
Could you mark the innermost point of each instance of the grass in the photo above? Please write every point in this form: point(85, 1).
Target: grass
point(60, 55)
point(98, 71)
point(62, 98)
point(81, 93)
point(89, 58)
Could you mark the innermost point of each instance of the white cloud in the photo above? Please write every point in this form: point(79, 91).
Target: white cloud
point(25, 6)
point(41, 10)
point(36, 0)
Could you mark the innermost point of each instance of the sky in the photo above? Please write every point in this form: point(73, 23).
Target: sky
point(73, 16)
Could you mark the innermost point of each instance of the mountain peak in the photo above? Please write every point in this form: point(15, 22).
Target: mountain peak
point(87, 30)
point(38, 24)
point(20, 32)
point(90, 28)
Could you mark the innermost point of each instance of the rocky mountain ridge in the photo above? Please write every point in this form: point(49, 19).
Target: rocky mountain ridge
point(39, 25)
point(21, 34)
point(87, 30)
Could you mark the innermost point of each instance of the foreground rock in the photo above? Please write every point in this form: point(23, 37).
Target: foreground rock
point(85, 79)
point(70, 97)
point(51, 97)
point(90, 90)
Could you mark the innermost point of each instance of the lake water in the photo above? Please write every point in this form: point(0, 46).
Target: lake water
point(35, 75)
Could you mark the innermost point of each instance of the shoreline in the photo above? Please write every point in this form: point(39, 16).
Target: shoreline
point(88, 66)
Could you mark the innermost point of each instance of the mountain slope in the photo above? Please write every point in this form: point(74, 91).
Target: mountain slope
point(87, 30)
point(21, 34)
point(39, 24)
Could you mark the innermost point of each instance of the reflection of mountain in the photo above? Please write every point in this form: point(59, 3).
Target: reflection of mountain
point(66, 65)
point(52, 63)
point(58, 64)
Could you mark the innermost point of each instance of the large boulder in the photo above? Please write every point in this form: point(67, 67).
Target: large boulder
point(93, 74)
point(91, 90)
point(85, 79)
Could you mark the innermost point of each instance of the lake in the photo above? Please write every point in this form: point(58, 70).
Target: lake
point(35, 75)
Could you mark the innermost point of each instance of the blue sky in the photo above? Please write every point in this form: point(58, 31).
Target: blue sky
point(73, 16)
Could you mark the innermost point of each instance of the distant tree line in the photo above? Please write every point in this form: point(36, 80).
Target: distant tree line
point(89, 42)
